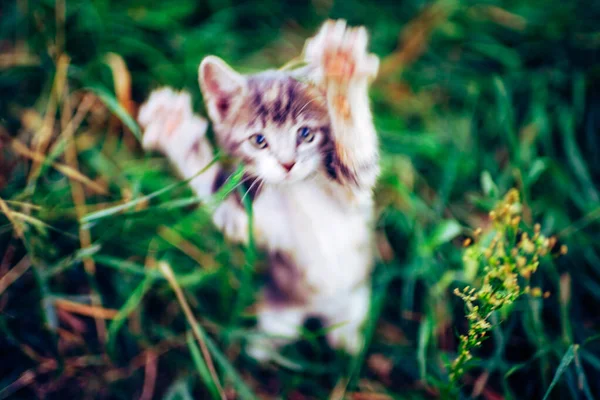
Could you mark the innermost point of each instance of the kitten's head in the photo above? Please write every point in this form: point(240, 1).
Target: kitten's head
point(278, 125)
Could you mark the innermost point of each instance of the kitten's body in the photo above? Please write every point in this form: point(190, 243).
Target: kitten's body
point(310, 173)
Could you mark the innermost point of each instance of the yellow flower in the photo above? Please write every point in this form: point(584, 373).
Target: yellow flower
point(507, 268)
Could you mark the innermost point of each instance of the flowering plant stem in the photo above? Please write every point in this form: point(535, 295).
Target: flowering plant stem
point(506, 256)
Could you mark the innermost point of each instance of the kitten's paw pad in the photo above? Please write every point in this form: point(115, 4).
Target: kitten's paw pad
point(341, 52)
point(166, 116)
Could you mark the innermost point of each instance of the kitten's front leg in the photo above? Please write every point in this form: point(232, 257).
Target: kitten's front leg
point(339, 58)
point(171, 127)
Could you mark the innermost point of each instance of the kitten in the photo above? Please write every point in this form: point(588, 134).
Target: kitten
point(310, 152)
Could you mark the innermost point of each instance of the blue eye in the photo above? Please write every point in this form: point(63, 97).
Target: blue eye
point(258, 141)
point(306, 134)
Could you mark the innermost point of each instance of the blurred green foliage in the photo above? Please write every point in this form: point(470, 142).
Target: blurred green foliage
point(473, 98)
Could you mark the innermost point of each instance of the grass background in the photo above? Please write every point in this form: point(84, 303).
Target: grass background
point(473, 98)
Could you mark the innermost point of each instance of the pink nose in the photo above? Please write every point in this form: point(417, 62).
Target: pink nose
point(288, 166)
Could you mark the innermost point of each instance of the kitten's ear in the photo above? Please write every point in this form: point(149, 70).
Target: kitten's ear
point(223, 88)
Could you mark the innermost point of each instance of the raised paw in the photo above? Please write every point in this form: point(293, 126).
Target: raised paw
point(341, 53)
point(167, 119)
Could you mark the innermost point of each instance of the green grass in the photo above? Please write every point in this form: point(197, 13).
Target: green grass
point(472, 100)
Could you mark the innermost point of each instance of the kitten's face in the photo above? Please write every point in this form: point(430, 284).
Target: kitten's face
point(276, 124)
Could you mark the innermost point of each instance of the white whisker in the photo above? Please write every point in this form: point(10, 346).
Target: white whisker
point(250, 188)
point(306, 105)
point(262, 183)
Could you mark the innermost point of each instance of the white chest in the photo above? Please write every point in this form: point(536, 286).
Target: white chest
point(327, 235)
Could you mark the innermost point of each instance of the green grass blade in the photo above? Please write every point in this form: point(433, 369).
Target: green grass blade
point(245, 291)
point(425, 331)
point(506, 119)
point(111, 102)
point(581, 377)
point(68, 262)
point(378, 297)
point(190, 280)
point(201, 366)
point(217, 197)
point(108, 212)
point(126, 266)
point(562, 367)
point(575, 158)
point(229, 371)
point(130, 305)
